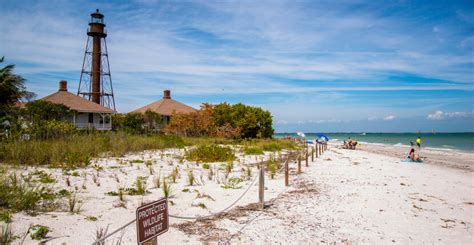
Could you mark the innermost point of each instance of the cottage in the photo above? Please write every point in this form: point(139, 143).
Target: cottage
point(88, 114)
point(166, 106)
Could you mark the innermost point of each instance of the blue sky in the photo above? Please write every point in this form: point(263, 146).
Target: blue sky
point(385, 66)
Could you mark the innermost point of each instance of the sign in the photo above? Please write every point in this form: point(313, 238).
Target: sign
point(152, 220)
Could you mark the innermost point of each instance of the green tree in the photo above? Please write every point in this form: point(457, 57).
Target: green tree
point(12, 90)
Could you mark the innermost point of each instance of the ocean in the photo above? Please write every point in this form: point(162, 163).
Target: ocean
point(456, 141)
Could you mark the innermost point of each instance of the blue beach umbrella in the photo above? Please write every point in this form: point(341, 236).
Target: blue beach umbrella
point(323, 137)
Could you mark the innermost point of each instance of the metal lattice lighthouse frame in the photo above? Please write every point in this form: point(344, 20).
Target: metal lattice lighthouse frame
point(95, 83)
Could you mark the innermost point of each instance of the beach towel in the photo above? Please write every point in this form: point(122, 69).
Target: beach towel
point(409, 161)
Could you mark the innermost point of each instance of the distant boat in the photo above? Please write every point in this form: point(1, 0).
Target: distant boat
point(363, 134)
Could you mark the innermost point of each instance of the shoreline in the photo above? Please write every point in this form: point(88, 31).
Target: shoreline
point(438, 156)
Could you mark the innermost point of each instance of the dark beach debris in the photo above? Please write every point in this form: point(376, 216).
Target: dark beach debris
point(402, 183)
point(446, 223)
point(417, 207)
point(469, 203)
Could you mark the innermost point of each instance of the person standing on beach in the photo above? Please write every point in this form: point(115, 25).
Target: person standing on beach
point(418, 142)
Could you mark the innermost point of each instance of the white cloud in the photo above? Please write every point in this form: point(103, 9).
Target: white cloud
point(440, 115)
point(437, 115)
point(389, 118)
point(282, 122)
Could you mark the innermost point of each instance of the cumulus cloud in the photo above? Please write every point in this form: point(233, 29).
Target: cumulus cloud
point(440, 115)
point(389, 118)
point(437, 115)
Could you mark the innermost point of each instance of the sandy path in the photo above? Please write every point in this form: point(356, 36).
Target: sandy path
point(360, 197)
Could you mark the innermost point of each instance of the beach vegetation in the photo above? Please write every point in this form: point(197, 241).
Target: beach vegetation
point(191, 178)
point(74, 204)
point(252, 151)
point(92, 218)
point(174, 174)
point(166, 188)
point(73, 152)
point(157, 180)
point(5, 216)
point(39, 232)
point(210, 153)
point(6, 234)
point(232, 183)
point(16, 194)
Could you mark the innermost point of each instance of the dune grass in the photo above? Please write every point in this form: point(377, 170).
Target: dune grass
point(77, 150)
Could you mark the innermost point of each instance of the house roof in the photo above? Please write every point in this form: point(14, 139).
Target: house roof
point(75, 102)
point(166, 106)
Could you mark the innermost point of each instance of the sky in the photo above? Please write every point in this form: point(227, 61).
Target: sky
point(317, 66)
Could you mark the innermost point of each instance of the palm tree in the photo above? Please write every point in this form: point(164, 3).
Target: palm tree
point(12, 89)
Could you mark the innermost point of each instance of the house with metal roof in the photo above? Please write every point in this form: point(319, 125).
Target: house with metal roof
point(87, 113)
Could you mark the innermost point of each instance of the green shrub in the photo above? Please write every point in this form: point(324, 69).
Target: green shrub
point(19, 195)
point(210, 153)
point(205, 166)
point(253, 151)
point(5, 216)
point(39, 232)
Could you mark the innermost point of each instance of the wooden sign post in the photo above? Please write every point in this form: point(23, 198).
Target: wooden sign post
point(152, 221)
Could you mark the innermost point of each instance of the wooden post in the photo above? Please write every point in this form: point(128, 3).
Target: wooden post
point(299, 164)
point(320, 149)
point(261, 186)
point(307, 164)
point(317, 149)
point(312, 154)
point(286, 172)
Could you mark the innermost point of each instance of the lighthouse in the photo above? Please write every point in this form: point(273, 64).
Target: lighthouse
point(95, 83)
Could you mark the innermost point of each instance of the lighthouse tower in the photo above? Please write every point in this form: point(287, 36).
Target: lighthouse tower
point(95, 83)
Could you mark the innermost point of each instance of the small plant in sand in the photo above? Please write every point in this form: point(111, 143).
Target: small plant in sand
point(74, 203)
point(121, 194)
point(200, 205)
point(157, 180)
point(232, 183)
point(205, 166)
point(272, 167)
point(92, 218)
point(191, 177)
point(68, 181)
point(6, 234)
point(100, 234)
point(248, 172)
point(210, 174)
point(117, 179)
point(174, 174)
point(39, 232)
point(166, 188)
point(140, 184)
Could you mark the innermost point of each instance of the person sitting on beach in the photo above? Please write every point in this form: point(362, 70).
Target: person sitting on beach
point(353, 144)
point(413, 157)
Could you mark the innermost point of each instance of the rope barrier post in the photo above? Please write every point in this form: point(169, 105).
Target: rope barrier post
point(312, 154)
point(307, 164)
point(286, 173)
point(316, 151)
point(320, 149)
point(299, 164)
point(261, 186)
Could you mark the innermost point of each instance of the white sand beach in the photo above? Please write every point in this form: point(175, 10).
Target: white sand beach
point(353, 196)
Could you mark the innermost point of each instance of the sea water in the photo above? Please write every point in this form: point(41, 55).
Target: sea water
point(456, 141)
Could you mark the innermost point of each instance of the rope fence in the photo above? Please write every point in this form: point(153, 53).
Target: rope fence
point(203, 217)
